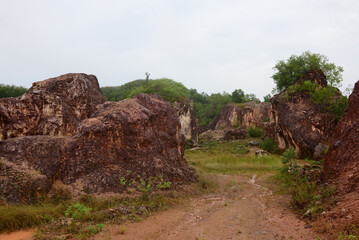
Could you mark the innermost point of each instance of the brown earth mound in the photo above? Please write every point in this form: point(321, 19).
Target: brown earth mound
point(131, 140)
point(341, 165)
point(297, 122)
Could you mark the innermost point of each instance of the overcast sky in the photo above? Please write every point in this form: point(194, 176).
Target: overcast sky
point(210, 45)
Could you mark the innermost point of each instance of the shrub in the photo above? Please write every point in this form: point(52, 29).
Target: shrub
point(306, 197)
point(269, 145)
point(255, 132)
point(77, 211)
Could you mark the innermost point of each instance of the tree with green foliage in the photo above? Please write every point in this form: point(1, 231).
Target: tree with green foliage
point(238, 96)
point(251, 97)
point(210, 106)
point(294, 68)
point(267, 98)
point(11, 91)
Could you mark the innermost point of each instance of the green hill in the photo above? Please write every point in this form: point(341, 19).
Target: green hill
point(170, 90)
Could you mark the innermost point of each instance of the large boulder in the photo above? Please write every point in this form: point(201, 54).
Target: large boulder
point(54, 107)
point(295, 121)
point(132, 140)
point(341, 165)
point(241, 115)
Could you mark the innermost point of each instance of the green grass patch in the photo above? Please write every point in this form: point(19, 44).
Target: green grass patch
point(233, 147)
point(14, 217)
point(87, 210)
point(230, 164)
point(228, 157)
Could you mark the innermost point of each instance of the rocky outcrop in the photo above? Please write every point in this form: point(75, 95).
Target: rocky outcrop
point(212, 135)
point(131, 140)
point(54, 107)
point(188, 120)
point(235, 134)
point(341, 165)
point(242, 115)
point(297, 122)
point(341, 161)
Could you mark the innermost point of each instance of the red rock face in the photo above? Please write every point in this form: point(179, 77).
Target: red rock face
point(52, 107)
point(136, 139)
point(299, 123)
point(244, 114)
point(341, 165)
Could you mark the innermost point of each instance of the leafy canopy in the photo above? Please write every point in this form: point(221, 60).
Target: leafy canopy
point(294, 68)
point(11, 91)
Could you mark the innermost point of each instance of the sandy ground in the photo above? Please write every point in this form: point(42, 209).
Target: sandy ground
point(243, 208)
point(18, 235)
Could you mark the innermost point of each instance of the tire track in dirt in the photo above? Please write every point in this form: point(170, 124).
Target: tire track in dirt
point(246, 210)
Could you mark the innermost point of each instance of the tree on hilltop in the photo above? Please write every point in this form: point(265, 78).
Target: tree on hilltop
point(291, 70)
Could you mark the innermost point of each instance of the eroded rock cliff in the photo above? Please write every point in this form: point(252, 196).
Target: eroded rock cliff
point(188, 120)
point(131, 140)
point(295, 121)
point(341, 163)
point(243, 114)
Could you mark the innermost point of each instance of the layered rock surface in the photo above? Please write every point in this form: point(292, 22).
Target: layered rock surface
point(341, 163)
point(243, 114)
point(52, 107)
point(188, 120)
point(135, 139)
point(298, 122)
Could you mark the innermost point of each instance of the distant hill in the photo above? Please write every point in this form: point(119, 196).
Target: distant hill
point(170, 90)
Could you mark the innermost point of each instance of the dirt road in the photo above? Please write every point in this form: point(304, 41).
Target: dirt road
point(244, 207)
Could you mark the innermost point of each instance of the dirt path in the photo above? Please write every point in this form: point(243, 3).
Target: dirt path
point(18, 235)
point(243, 208)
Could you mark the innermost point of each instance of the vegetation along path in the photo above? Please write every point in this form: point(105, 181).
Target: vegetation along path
point(241, 202)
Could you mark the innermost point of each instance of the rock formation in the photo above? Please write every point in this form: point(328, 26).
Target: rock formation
point(235, 134)
point(134, 139)
point(189, 123)
point(52, 107)
point(341, 165)
point(241, 115)
point(297, 122)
